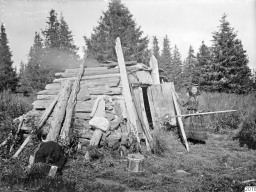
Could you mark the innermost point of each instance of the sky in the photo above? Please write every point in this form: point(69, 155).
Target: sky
point(185, 22)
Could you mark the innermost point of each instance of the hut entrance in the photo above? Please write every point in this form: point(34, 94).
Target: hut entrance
point(147, 107)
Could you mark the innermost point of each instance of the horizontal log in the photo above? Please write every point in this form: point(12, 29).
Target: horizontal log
point(85, 116)
point(82, 123)
point(49, 92)
point(41, 104)
point(53, 86)
point(45, 97)
point(84, 106)
point(105, 91)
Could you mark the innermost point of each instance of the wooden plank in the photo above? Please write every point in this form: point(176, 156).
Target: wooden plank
point(144, 77)
point(59, 113)
point(41, 104)
point(126, 88)
point(84, 106)
point(85, 116)
point(152, 109)
point(48, 92)
point(155, 72)
point(45, 97)
point(145, 119)
point(179, 119)
point(90, 72)
point(53, 86)
point(83, 123)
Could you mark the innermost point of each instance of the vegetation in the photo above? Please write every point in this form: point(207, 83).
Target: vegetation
point(8, 77)
point(49, 55)
point(117, 21)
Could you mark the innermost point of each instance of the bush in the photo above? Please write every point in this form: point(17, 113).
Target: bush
point(244, 118)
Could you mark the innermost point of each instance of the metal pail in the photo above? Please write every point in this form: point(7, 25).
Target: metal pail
point(135, 163)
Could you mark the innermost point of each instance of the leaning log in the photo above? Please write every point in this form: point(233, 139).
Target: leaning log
point(71, 104)
point(59, 112)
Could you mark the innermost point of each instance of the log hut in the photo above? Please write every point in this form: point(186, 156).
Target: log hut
point(128, 94)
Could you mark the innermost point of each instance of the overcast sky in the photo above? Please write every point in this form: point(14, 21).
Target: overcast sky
point(186, 22)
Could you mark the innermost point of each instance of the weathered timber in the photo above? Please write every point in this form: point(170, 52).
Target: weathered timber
point(126, 88)
point(93, 81)
point(45, 97)
point(144, 77)
point(84, 106)
point(47, 112)
point(105, 90)
point(59, 113)
point(96, 137)
point(85, 116)
point(154, 116)
point(155, 72)
point(145, 119)
point(177, 109)
point(71, 104)
point(22, 146)
point(161, 103)
point(17, 132)
point(53, 86)
point(41, 104)
point(83, 94)
point(49, 92)
point(82, 123)
point(90, 72)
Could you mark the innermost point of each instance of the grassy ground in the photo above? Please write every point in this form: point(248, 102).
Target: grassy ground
point(222, 164)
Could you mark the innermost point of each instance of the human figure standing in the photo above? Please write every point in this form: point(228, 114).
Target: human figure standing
point(194, 126)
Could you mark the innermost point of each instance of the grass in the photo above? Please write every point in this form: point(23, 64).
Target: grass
point(222, 164)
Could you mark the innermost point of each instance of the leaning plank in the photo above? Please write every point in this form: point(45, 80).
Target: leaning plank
point(17, 132)
point(179, 120)
point(59, 112)
point(152, 109)
point(71, 104)
point(145, 119)
point(96, 137)
point(47, 112)
point(155, 72)
point(126, 87)
point(22, 146)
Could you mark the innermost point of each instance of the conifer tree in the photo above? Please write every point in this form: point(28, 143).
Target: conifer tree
point(156, 48)
point(230, 70)
point(166, 58)
point(8, 77)
point(203, 67)
point(176, 67)
point(117, 21)
point(189, 66)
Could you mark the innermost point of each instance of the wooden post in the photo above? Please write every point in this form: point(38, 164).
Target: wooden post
point(154, 73)
point(126, 89)
point(179, 119)
point(59, 112)
point(71, 104)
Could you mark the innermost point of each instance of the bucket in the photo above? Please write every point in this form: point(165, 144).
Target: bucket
point(135, 163)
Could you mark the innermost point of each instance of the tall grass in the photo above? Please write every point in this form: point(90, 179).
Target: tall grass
point(11, 106)
point(244, 118)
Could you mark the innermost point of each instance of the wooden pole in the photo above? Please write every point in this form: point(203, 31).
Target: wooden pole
point(126, 89)
point(71, 104)
point(155, 72)
point(179, 119)
point(205, 113)
point(16, 135)
point(47, 112)
point(59, 112)
point(22, 146)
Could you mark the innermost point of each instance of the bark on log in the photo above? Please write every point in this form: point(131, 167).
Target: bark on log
point(47, 112)
point(71, 104)
point(59, 113)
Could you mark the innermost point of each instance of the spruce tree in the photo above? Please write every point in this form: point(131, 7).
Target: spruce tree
point(189, 66)
point(156, 48)
point(8, 77)
point(176, 67)
point(117, 21)
point(230, 70)
point(203, 67)
point(166, 58)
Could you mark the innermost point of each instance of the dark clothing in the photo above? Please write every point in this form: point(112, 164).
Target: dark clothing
point(194, 125)
point(51, 153)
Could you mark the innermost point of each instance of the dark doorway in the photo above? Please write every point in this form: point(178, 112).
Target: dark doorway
point(147, 107)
